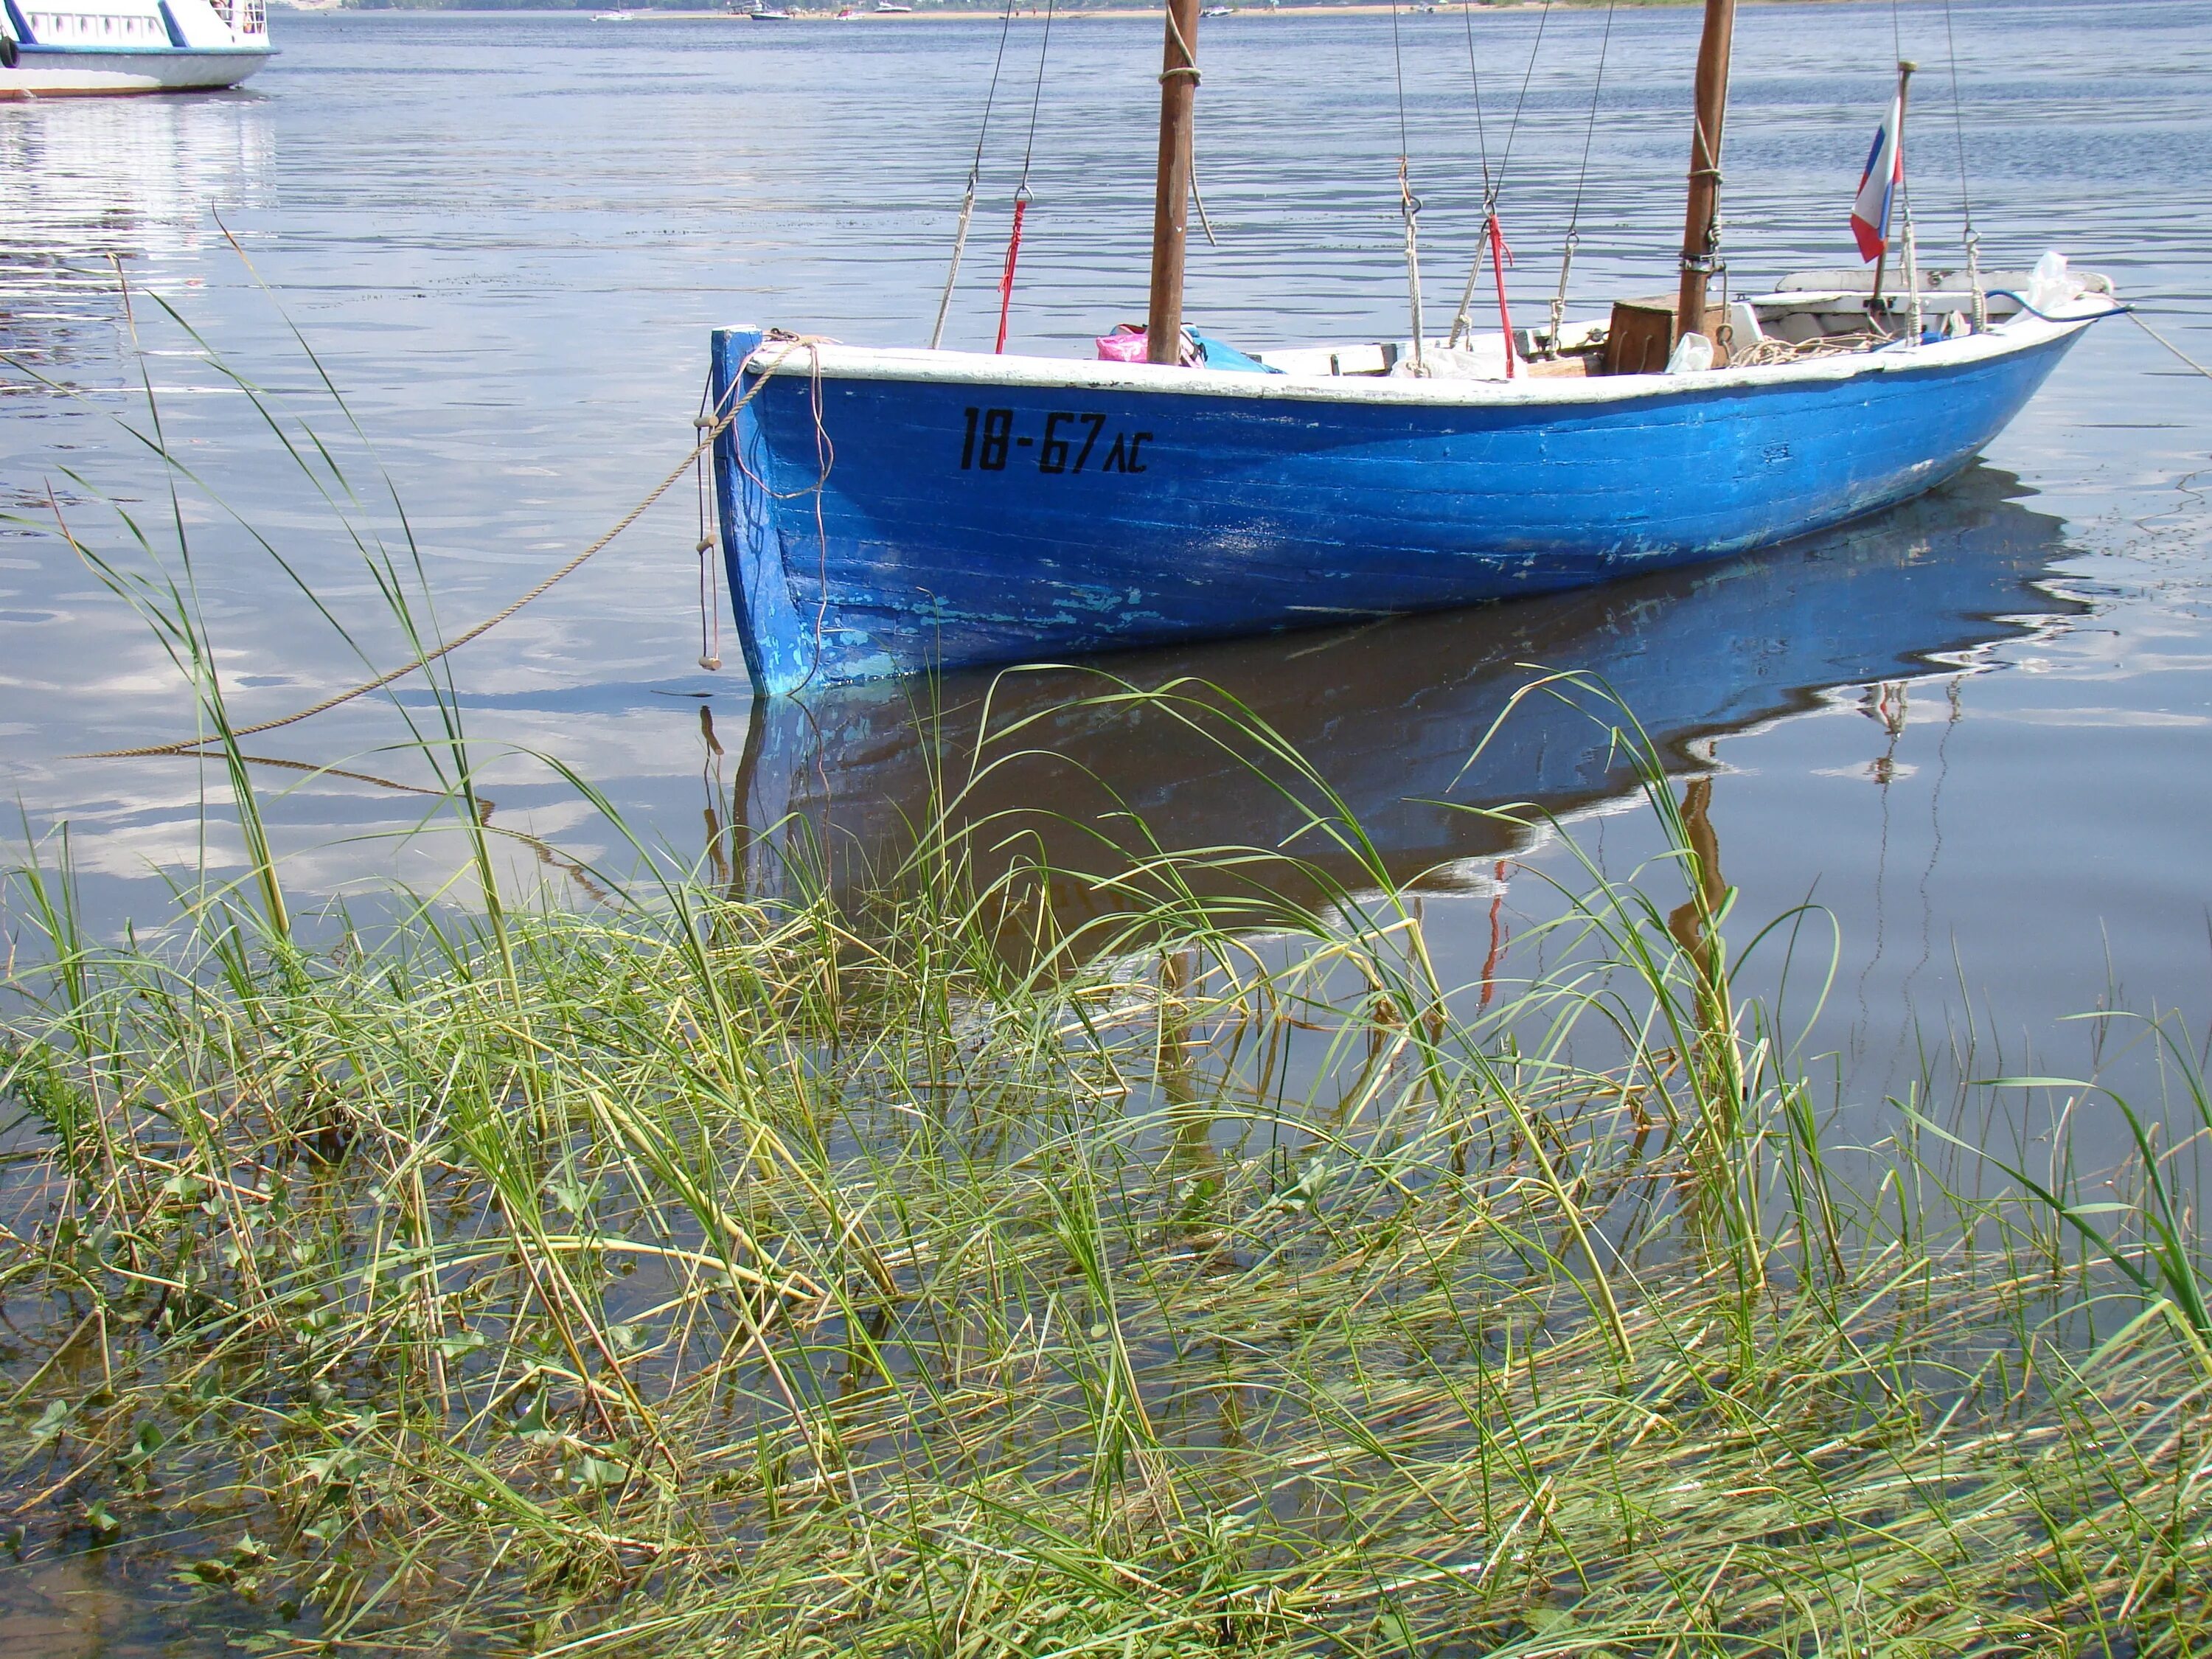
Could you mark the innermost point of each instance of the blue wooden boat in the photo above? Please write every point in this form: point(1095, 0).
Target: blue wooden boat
point(888, 511)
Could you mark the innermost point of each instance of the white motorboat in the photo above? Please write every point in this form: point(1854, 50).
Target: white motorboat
point(54, 47)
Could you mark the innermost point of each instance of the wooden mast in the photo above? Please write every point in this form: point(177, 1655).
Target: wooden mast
point(1171, 202)
point(1698, 241)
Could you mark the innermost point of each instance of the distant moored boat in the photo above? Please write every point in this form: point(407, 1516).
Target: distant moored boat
point(51, 47)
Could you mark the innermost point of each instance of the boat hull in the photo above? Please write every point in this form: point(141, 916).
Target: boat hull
point(885, 513)
point(69, 72)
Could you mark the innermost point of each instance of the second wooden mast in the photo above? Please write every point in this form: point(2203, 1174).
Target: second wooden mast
point(1171, 202)
point(1701, 224)
point(1171, 198)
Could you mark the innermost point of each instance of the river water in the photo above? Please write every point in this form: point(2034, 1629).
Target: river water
point(1976, 734)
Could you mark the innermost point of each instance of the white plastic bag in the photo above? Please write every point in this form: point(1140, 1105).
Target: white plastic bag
point(2051, 286)
point(1692, 354)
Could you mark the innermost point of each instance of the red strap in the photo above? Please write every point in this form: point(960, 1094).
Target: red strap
point(1500, 257)
point(1006, 282)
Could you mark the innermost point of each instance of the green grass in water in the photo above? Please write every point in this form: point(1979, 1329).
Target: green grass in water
point(726, 1277)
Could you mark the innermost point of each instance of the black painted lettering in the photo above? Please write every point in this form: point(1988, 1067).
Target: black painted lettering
point(1098, 425)
point(1052, 458)
point(989, 441)
point(998, 428)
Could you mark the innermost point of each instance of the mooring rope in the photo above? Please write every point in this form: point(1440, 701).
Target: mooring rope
point(2168, 345)
point(710, 429)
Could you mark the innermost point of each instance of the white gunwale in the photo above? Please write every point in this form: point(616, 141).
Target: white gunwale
point(833, 360)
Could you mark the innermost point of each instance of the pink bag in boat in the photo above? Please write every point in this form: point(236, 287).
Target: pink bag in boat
point(1125, 344)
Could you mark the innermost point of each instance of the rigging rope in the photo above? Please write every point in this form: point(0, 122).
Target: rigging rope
point(1520, 103)
point(1409, 205)
point(1582, 177)
point(1904, 179)
point(1973, 238)
point(1493, 185)
point(1475, 79)
point(1198, 201)
point(1022, 190)
point(974, 173)
point(1958, 120)
point(1189, 66)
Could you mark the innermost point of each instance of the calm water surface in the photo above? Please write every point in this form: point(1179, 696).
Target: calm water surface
point(1978, 732)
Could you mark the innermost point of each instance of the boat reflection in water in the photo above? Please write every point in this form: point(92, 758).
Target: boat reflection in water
point(1057, 769)
point(87, 181)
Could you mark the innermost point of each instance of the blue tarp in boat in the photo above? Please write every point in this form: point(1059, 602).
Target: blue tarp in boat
point(1220, 354)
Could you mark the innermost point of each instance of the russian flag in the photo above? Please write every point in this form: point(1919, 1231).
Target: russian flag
point(1885, 171)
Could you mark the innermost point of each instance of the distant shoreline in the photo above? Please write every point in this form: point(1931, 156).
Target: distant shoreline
point(973, 13)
